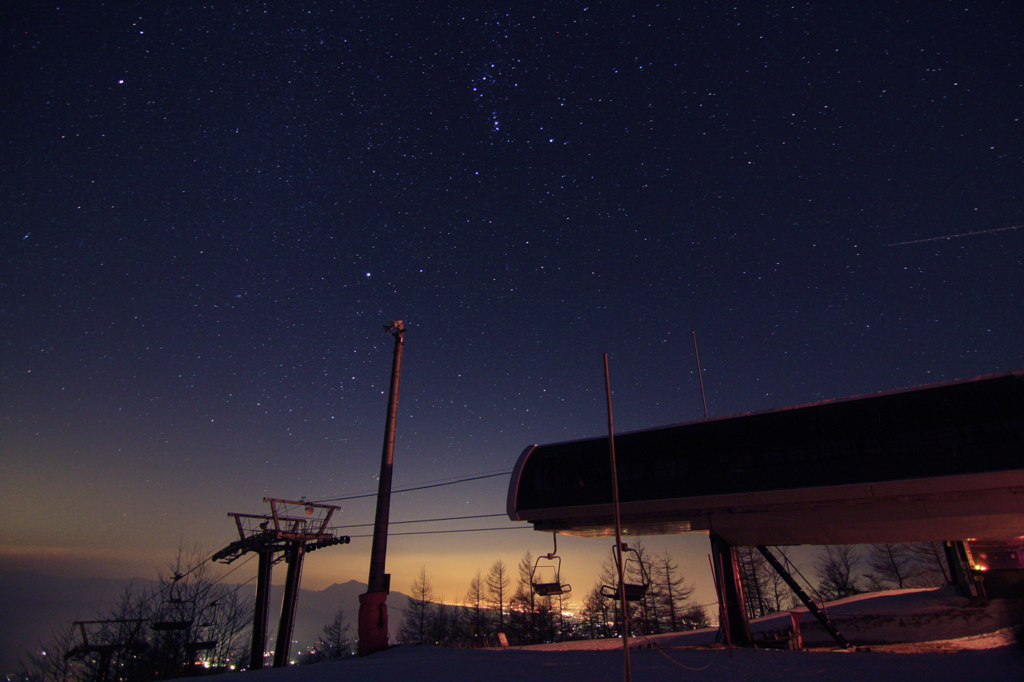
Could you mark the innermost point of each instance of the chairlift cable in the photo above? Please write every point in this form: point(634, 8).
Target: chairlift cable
point(395, 523)
point(414, 488)
point(439, 532)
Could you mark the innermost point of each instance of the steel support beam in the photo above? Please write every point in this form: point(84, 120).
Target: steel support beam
point(724, 556)
point(296, 553)
point(958, 556)
point(823, 620)
point(103, 667)
point(261, 611)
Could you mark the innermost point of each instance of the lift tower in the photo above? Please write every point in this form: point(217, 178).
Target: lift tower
point(292, 535)
point(129, 640)
point(373, 610)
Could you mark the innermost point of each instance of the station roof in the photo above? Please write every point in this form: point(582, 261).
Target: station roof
point(936, 462)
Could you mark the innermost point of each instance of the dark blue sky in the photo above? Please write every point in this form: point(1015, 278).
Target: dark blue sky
point(210, 212)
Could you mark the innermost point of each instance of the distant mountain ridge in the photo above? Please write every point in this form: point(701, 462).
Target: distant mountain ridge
point(34, 605)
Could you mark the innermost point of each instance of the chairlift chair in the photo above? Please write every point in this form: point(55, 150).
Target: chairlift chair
point(553, 569)
point(633, 591)
point(204, 631)
point(209, 620)
point(173, 597)
point(170, 625)
point(201, 646)
point(173, 592)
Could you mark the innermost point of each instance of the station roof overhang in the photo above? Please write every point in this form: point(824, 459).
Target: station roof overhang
point(931, 463)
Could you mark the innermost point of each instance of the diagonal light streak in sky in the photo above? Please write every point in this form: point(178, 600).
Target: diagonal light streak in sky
point(954, 236)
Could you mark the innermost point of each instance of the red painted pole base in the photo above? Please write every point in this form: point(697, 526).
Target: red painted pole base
point(373, 622)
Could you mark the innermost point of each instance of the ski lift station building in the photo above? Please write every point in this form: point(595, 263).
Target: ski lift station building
point(939, 462)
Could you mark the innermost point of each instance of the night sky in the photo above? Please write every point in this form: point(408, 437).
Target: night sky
point(210, 213)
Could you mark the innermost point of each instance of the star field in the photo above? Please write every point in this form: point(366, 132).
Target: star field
point(209, 212)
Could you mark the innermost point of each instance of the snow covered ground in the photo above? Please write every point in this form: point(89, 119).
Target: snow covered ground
point(929, 635)
point(430, 664)
point(896, 616)
point(933, 619)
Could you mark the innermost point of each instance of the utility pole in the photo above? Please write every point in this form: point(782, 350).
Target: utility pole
point(373, 609)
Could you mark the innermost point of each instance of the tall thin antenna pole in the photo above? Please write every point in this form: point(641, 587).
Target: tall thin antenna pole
point(618, 525)
point(700, 374)
point(373, 614)
point(377, 580)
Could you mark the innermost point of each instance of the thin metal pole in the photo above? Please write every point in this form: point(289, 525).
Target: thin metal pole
point(378, 553)
point(700, 374)
point(373, 617)
point(618, 526)
point(723, 610)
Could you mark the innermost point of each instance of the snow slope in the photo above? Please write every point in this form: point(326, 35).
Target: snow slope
point(896, 616)
point(431, 664)
point(966, 642)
